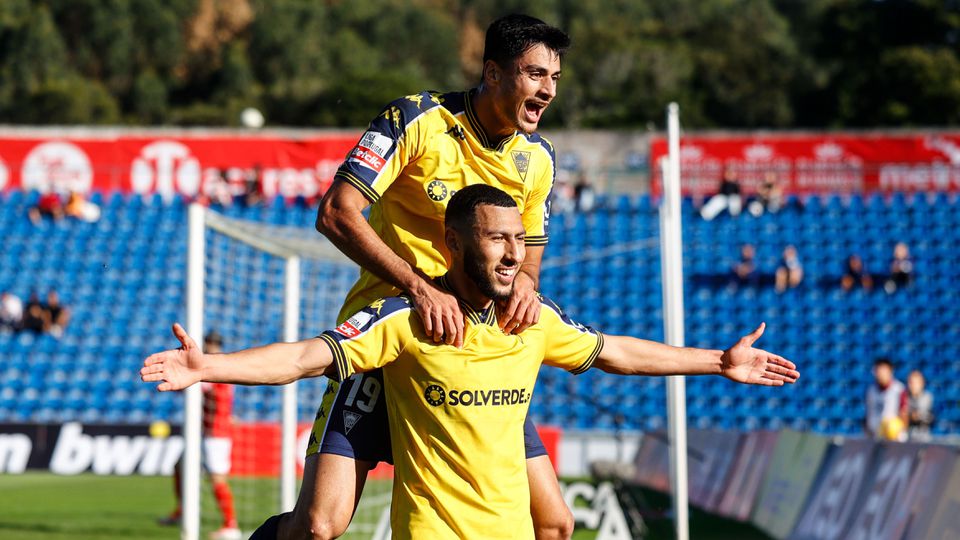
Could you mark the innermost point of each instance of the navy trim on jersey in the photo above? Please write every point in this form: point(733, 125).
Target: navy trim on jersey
point(339, 357)
point(477, 127)
point(391, 123)
point(551, 151)
point(485, 316)
point(536, 240)
point(473, 120)
point(588, 363)
point(359, 324)
point(591, 358)
point(367, 191)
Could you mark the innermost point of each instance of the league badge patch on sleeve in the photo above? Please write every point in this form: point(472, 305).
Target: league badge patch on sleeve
point(355, 325)
point(371, 151)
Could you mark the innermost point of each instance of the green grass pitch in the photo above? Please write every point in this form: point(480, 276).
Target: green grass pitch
point(44, 506)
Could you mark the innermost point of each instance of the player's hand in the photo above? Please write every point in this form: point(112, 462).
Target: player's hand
point(522, 310)
point(745, 364)
point(177, 368)
point(441, 314)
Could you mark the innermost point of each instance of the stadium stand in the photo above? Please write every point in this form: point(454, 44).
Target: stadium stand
point(123, 277)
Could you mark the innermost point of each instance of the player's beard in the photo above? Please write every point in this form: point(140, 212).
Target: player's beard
point(478, 273)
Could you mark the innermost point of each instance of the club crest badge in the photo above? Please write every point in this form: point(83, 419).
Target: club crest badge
point(522, 161)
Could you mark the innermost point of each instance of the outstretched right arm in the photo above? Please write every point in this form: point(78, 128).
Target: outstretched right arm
point(274, 364)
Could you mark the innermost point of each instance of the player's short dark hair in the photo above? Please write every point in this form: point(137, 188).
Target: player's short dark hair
point(511, 35)
point(883, 361)
point(214, 338)
point(461, 212)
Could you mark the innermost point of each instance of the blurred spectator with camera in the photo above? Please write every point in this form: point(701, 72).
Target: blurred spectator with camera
point(49, 205)
point(563, 199)
point(252, 187)
point(790, 270)
point(901, 268)
point(11, 311)
point(34, 315)
point(78, 207)
point(745, 270)
point(886, 404)
point(727, 198)
point(854, 274)
point(919, 407)
point(57, 315)
point(769, 196)
point(584, 194)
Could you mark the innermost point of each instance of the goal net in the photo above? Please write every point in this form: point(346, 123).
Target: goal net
point(258, 284)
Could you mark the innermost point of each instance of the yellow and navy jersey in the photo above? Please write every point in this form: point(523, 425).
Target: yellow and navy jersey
point(414, 156)
point(456, 415)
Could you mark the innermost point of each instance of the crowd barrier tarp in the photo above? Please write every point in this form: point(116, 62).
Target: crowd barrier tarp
point(909, 478)
point(794, 466)
point(838, 497)
point(719, 449)
point(746, 474)
point(701, 459)
point(944, 524)
point(169, 165)
point(817, 162)
point(653, 462)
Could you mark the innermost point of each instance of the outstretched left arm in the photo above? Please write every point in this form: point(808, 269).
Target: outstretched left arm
point(274, 364)
point(742, 362)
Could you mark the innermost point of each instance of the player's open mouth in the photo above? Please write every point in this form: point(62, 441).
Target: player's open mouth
point(532, 111)
point(505, 274)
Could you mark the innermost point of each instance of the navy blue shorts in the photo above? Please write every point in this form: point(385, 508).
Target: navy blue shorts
point(357, 425)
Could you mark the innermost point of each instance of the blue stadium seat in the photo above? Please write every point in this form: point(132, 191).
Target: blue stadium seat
point(121, 275)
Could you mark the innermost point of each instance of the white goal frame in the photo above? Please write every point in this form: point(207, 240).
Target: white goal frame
point(290, 248)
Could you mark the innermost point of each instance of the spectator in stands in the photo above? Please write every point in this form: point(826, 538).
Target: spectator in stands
point(886, 403)
point(217, 445)
point(745, 271)
point(215, 190)
point(901, 268)
point(727, 198)
point(252, 186)
point(854, 275)
point(584, 193)
point(79, 207)
point(11, 311)
point(56, 315)
point(564, 198)
point(790, 271)
point(919, 407)
point(34, 315)
point(769, 196)
point(50, 205)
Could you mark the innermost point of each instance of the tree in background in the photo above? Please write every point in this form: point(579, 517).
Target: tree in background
point(730, 63)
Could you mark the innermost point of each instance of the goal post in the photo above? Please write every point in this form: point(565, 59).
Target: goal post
point(256, 283)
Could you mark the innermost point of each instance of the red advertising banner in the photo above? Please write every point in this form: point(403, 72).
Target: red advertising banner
point(186, 165)
point(812, 163)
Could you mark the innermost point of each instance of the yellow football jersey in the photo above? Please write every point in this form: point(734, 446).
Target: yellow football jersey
point(414, 156)
point(456, 415)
